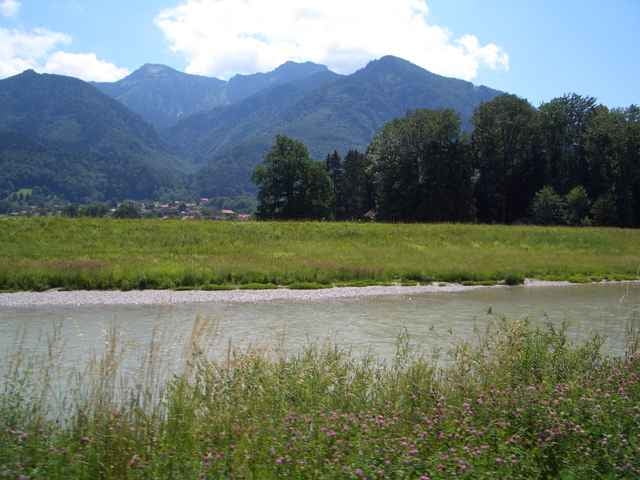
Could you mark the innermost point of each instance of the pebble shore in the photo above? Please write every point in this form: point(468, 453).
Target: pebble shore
point(171, 297)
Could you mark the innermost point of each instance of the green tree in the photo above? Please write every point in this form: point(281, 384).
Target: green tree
point(5, 206)
point(358, 188)
point(563, 126)
point(504, 143)
point(422, 172)
point(610, 167)
point(604, 210)
point(548, 208)
point(336, 174)
point(70, 211)
point(632, 154)
point(291, 185)
point(578, 204)
point(127, 210)
point(94, 210)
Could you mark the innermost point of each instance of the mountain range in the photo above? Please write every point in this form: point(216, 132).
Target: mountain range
point(172, 129)
point(63, 135)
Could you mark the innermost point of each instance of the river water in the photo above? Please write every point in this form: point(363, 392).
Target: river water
point(434, 321)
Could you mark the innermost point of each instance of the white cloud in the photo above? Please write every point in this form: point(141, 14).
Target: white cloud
point(20, 50)
point(38, 49)
point(9, 8)
point(84, 65)
point(224, 37)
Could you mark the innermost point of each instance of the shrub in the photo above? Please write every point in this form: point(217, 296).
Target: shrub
point(604, 210)
point(548, 208)
point(578, 204)
point(513, 279)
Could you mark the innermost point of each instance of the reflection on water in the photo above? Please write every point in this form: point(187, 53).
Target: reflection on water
point(434, 321)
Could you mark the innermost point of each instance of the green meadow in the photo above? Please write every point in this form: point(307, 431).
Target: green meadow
point(43, 253)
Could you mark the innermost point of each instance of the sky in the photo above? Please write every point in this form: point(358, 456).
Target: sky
point(536, 49)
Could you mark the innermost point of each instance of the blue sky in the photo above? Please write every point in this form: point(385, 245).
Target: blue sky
point(537, 50)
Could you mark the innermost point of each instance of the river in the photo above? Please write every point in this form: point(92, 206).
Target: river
point(435, 321)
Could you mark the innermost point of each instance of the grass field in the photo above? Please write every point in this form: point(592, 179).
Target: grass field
point(42, 253)
point(521, 404)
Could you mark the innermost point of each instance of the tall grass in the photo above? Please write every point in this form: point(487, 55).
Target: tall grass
point(520, 403)
point(42, 253)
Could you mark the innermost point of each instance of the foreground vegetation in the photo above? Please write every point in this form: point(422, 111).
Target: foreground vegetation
point(43, 253)
point(522, 403)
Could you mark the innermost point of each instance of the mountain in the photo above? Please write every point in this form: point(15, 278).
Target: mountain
point(88, 141)
point(64, 136)
point(163, 96)
point(325, 111)
point(244, 86)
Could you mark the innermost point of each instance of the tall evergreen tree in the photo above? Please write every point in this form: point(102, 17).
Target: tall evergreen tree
point(336, 174)
point(359, 195)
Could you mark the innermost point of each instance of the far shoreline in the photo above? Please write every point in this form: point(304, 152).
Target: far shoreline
point(60, 298)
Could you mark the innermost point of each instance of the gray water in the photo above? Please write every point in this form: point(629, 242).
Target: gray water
point(435, 321)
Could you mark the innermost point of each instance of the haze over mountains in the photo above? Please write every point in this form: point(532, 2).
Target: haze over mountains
point(175, 129)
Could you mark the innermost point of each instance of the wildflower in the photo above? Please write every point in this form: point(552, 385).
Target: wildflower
point(135, 461)
point(207, 459)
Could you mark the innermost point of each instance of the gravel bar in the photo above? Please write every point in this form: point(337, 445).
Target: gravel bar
point(171, 297)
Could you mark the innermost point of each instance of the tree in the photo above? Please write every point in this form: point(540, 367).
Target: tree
point(422, 172)
point(291, 185)
point(5, 206)
point(604, 211)
point(127, 210)
point(336, 174)
point(504, 144)
point(358, 189)
point(632, 154)
point(609, 166)
point(578, 204)
point(548, 208)
point(319, 192)
point(70, 211)
point(94, 210)
point(563, 126)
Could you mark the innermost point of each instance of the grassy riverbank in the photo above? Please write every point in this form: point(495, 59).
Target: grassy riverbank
point(521, 404)
point(42, 253)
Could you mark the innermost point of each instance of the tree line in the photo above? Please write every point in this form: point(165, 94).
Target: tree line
point(570, 161)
